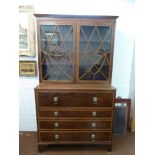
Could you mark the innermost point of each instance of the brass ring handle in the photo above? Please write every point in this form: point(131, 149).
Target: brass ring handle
point(93, 125)
point(56, 125)
point(93, 136)
point(55, 100)
point(94, 113)
point(94, 100)
point(56, 113)
point(56, 136)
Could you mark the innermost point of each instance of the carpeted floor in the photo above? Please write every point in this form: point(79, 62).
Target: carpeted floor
point(122, 145)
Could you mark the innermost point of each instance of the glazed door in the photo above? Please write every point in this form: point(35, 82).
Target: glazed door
point(95, 50)
point(56, 51)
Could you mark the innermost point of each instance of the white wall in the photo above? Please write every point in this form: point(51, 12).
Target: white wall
point(124, 43)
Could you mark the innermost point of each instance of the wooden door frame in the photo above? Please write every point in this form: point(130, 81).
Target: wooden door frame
point(43, 21)
point(95, 22)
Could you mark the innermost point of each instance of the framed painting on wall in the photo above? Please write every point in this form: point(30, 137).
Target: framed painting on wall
point(26, 31)
point(27, 68)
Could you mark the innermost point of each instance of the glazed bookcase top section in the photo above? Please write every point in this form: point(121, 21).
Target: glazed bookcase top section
point(72, 50)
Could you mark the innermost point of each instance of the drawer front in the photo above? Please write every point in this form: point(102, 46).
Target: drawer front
point(49, 99)
point(76, 124)
point(71, 114)
point(78, 136)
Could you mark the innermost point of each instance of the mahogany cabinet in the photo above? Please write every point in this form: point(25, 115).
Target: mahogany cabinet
point(75, 98)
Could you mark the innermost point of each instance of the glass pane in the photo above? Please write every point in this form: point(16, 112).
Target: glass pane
point(57, 52)
point(95, 50)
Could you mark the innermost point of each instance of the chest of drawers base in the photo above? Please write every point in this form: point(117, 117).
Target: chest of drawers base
point(74, 116)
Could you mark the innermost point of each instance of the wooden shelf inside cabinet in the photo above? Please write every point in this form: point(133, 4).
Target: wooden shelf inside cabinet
point(75, 96)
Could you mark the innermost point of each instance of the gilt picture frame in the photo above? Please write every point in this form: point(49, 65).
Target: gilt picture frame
point(26, 31)
point(27, 68)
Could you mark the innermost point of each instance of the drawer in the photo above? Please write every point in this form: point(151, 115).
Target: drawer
point(75, 136)
point(72, 114)
point(75, 124)
point(50, 99)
